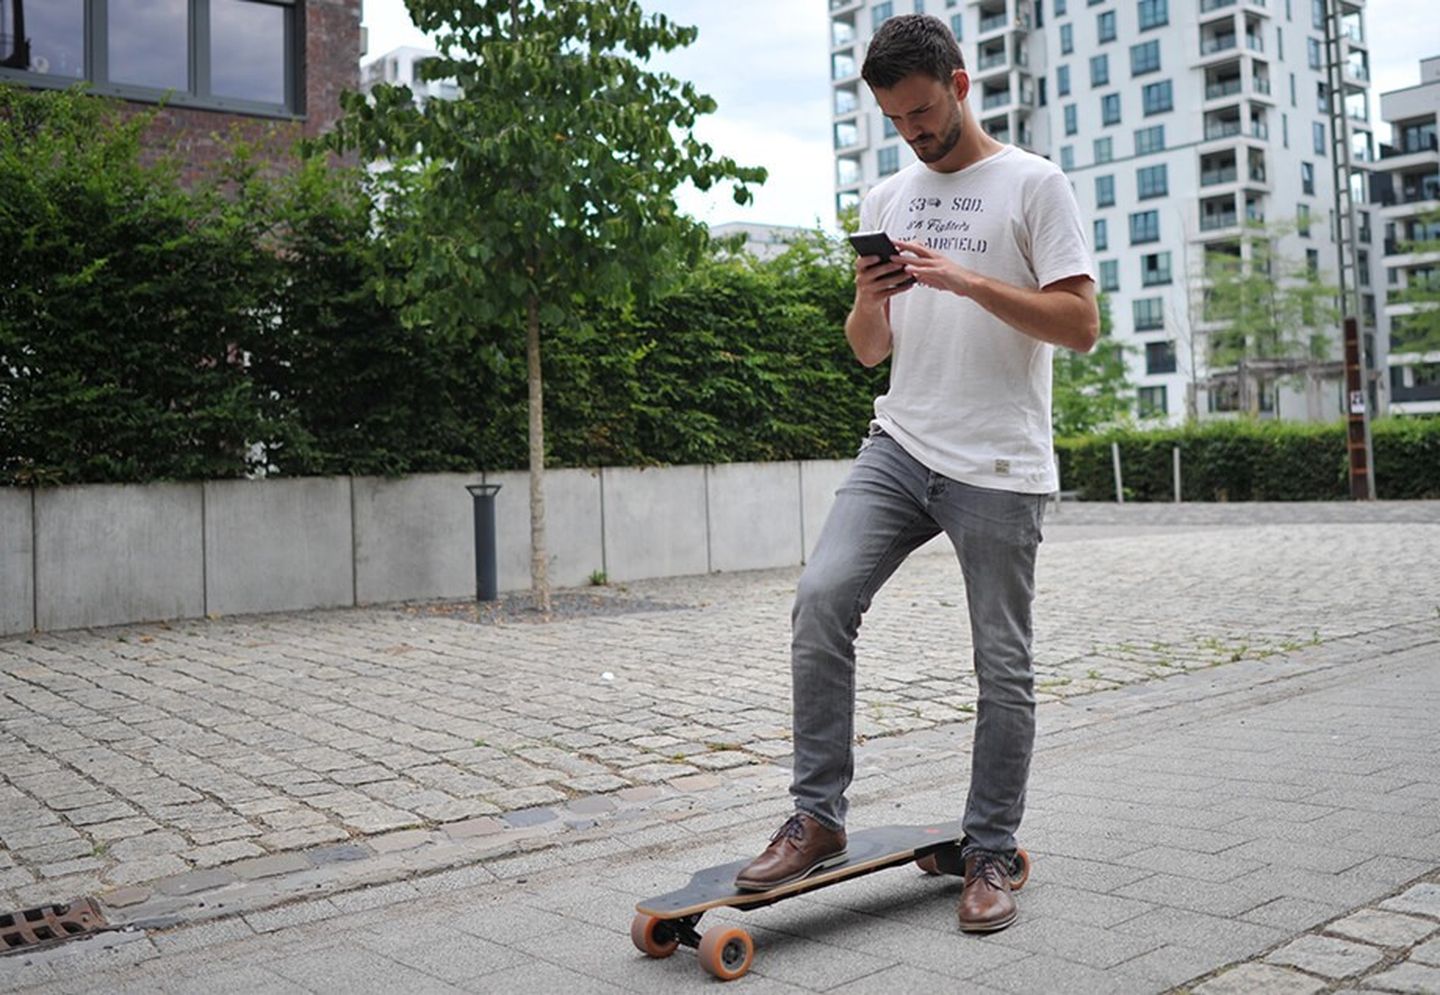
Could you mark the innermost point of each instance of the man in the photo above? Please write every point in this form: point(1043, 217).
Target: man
point(961, 443)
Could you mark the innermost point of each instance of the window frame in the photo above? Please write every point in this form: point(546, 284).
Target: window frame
point(197, 93)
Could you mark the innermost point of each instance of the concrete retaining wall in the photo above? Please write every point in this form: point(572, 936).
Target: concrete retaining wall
point(94, 555)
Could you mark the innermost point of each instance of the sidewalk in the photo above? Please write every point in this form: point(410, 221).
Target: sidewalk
point(1283, 775)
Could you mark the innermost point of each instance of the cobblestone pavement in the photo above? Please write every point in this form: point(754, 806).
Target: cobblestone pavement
point(1270, 825)
point(193, 752)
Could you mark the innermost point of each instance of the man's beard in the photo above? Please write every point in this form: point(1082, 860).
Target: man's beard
point(946, 143)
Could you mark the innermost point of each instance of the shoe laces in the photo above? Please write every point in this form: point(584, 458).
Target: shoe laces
point(794, 829)
point(992, 868)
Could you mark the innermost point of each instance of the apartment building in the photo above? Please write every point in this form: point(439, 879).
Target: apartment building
point(1408, 192)
point(1178, 121)
point(398, 66)
point(271, 69)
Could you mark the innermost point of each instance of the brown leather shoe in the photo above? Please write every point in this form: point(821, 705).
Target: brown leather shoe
point(799, 848)
point(986, 904)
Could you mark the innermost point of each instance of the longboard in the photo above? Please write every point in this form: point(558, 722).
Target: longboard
point(666, 922)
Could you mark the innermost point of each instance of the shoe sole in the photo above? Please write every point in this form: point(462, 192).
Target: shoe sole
point(989, 927)
point(820, 865)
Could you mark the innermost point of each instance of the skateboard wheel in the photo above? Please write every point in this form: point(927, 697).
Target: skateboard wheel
point(653, 937)
point(726, 952)
point(1019, 870)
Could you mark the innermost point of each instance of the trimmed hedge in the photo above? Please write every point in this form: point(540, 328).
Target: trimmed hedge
point(1247, 460)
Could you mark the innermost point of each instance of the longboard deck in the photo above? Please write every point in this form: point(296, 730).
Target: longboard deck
point(868, 850)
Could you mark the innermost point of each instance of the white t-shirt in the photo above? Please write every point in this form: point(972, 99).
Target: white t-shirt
point(969, 396)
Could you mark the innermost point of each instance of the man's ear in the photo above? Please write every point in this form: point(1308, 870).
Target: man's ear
point(960, 80)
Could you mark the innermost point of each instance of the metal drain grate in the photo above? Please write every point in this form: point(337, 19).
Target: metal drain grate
point(49, 924)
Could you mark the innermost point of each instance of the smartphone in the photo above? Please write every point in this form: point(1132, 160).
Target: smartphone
point(876, 243)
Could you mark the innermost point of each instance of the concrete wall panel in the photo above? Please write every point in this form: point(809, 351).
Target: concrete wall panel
point(414, 537)
point(819, 480)
point(655, 522)
point(278, 545)
point(108, 554)
point(754, 515)
point(572, 527)
point(17, 561)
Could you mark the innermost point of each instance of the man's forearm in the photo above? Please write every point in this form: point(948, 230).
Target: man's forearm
point(1058, 317)
point(868, 331)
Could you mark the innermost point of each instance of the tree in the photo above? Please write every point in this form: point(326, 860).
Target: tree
point(1091, 389)
point(1276, 314)
point(546, 186)
point(1419, 330)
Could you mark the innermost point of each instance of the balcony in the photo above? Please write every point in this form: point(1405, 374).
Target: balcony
point(1223, 88)
point(1206, 6)
point(1214, 177)
point(1220, 130)
point(993, 22)
point(1215, 222)
point(991, 101)
point(1218, 43)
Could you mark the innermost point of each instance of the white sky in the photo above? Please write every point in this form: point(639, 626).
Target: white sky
point(766, 63)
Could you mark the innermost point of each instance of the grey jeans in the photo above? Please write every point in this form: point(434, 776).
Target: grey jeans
point(888, 506)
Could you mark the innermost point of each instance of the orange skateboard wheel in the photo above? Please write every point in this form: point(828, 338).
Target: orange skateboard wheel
point(653, 937)
point(727, 952)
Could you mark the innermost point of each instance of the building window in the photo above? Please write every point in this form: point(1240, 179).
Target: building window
point(227, 54)
point(1159, 357)
point(880, 13)
point(957, 25)
point(919, 6)
point(1110, 276)
point(846, 134)
point(1059, 8)
point(1102, 235)
point(1154, 13)
point(1062, 81)
point(887, 160)
point(1072, 124)
point(1067, 39)
point(1150, 139)
point(1110, 108)
point(1317, 14)
point(1155, 269)
point(1144, 227)
point(1302, 220)
point(1149, 313)
point(1312, 261)
point(1104, 191)
point(887, 127)
point(1312, 51)
point(842, 65)
point(1152, 402)
point(1067, 157)
point(1144, 58)
point(1099, 70)
point(1105, 25)
point(1317, 132)
point(1152, 181)
point(1159, 97)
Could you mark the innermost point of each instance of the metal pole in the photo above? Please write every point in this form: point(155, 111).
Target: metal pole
point(1115, 458)
point(487, 587)
point(1176, 452)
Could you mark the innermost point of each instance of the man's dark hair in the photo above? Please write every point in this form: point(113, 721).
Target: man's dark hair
point(911, 43)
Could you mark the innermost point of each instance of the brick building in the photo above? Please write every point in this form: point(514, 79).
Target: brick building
point(270, 70)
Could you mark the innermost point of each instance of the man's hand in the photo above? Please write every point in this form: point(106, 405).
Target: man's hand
point(876, 281)
point(932, 269)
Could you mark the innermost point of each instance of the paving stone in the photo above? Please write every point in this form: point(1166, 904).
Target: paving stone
point(1385, 929)
point(1423, 899)
point(271, 866)
point(530, 817)
point(1411, 978)
point(1327, 956)
point(346, 852)
point(145, 869)
point(158, 844)
point(122, 898)
point(1260, 979)
point(470, 828)
point(217, 854)
point(407, 839)
point(194, 881)
point(1427, 953)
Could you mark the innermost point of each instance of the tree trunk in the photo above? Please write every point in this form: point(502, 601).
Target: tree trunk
point(539, 556)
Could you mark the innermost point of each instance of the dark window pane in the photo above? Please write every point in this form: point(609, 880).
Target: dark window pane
point(148, 43)
point(247, 50)
point(54, 40)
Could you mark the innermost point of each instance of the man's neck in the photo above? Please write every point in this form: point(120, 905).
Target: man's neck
point(974, 145)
